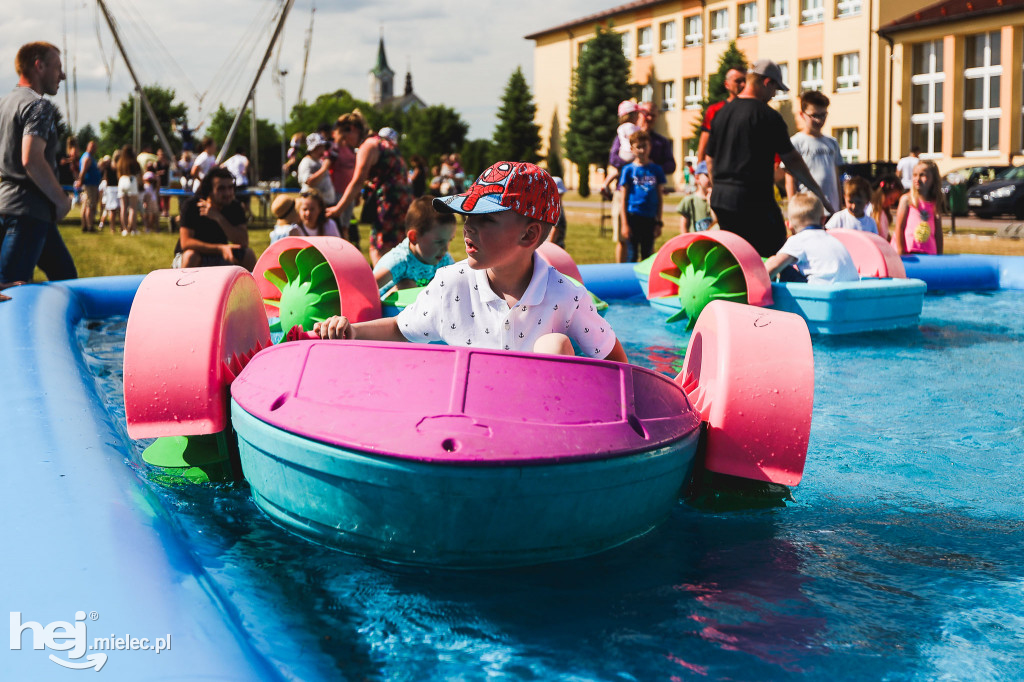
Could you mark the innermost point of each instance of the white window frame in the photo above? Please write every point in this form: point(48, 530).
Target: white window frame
point(778, 15)
point(848, 72)
point(668, 38)
point(781, 94)
point(933, 75)
point(747, 18)
point(624, 36)
point(693, 26)
point(812, 12)
point(692, 94)
point(847, 8)
point(668, 95)
point(988, 115)
point(647, 93)
point(644, 38)
point(849, 143)
point(719, 25)
point(816, 81)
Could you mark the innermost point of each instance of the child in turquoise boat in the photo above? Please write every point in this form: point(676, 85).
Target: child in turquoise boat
point(423, 251)
point(504, 295)
point(819, 257)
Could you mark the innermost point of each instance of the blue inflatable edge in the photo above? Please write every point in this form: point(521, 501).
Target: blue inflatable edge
point(82, 531)
point(962, 272)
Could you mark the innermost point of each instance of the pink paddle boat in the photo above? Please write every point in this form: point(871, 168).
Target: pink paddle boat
point(459, 457)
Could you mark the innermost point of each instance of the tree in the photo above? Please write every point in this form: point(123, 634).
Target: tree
point(326, 108)
point(554, 159)
point(517, 137)
point(600, 82)
point(432, 131)
point(477, 155)
point(732, 58)
point(85, 135)
point(118, 131)
point(268, 137)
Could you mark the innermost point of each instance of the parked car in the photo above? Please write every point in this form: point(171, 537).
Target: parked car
point(966, 178)
point(1004, 194)
point(869, 170)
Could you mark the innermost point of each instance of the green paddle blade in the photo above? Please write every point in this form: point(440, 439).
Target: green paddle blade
point(195, 459)
point(707, 272)
point(309, 292)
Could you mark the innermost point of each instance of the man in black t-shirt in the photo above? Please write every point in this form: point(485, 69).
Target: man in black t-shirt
point(745, 138)
point(213, 229)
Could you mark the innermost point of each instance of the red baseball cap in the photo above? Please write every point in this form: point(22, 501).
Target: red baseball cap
point(515, 186)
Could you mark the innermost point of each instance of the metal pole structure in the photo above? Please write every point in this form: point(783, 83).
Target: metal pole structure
point(284, 121)
point(136, 124)
point(254, 148)
point(138, 86)
point(252, 88)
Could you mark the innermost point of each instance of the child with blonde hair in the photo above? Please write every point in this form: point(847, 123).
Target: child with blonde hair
point(918, 226)
point(819, 257)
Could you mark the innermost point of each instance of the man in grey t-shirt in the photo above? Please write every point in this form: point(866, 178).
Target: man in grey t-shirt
point(820, 152)
point(31, 198)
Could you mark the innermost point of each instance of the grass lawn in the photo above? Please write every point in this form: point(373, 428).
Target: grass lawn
point(111, 254)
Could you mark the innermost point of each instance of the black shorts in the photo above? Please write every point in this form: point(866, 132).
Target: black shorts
point(762, 226)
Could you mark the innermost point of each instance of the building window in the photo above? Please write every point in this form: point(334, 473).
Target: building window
point(694, 27)
point(981, 93)
point(643, 42)
point(693, 95)
point(778, 15)
point(810, 75)
point(748, 19)
point(668, 96)
point(847, 71)
point(812, 11)
point(784, 70)
point(668, 36)
point(647, 93)
point(847, 138)
point(625, 45)
point(847, 8)
point(690, 150)
point(720, 25)
point(926, 83)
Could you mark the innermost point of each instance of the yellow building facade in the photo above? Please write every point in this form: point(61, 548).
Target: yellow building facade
point(836, 46)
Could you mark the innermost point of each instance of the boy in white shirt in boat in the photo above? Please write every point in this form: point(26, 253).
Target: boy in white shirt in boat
point(503, 295)
point(819, 257)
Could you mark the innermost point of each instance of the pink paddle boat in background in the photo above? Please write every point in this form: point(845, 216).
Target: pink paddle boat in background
point(460, 457)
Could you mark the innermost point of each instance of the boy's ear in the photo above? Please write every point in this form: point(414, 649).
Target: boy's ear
point(533, 234)
point(413, 234)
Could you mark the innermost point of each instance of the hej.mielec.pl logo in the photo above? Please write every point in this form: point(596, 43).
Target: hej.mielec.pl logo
point(73, 638)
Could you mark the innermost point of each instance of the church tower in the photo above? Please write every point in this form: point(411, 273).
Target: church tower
point(382, 78)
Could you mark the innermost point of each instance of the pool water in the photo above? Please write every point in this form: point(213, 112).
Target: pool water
point(901, 558)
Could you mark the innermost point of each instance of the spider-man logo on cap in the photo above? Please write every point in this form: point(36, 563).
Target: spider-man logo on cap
point(515, 186)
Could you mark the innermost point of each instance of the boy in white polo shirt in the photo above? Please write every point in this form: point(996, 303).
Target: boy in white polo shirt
point(503, 295)
point(819, 257)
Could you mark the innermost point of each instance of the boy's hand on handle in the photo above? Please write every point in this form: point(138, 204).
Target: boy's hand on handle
point(337, 327)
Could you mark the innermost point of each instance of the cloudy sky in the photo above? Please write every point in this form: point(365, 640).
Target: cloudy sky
point(461, 53)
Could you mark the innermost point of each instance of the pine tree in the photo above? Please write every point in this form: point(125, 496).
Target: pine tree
point(554, 159)
point(517, 137)
point(600, 82)
point(732, 58)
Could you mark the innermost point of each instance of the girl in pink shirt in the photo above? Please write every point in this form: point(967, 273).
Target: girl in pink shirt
point(918, 227)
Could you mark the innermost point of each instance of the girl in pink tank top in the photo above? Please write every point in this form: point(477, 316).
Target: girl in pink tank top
point(918, 227)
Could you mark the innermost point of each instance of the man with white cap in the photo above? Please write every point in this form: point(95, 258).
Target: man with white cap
point(746, 137)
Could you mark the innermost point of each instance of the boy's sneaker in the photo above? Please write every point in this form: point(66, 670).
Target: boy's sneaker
point(124, 233)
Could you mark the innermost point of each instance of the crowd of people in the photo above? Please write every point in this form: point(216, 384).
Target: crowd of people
point(749, 167)
point(745, 156)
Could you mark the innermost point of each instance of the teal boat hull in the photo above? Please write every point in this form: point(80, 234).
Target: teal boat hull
point(455, 515)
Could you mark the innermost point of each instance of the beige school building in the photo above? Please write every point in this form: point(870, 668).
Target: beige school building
point(945, 77)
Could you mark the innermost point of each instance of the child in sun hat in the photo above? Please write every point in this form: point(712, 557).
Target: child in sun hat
point(628, 113)
point(503, 295)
